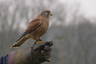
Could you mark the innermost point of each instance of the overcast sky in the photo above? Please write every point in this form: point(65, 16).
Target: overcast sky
point(87, 7)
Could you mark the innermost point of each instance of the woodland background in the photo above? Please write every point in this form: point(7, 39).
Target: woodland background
point(73, 33)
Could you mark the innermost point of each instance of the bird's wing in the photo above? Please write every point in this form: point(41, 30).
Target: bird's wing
point(33, 25)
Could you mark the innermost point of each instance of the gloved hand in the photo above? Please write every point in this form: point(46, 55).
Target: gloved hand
point(37, 55)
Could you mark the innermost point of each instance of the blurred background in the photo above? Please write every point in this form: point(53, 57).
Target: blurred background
point(72, 27)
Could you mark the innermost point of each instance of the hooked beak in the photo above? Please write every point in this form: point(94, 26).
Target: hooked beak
point(51, 14)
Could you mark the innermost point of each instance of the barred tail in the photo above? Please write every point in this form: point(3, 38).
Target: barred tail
point(20, 41)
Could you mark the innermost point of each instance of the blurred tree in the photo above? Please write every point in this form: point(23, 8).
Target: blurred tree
point(73, 43)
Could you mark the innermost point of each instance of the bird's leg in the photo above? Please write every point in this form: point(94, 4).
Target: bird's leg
point(36, 42)
point(39, 40)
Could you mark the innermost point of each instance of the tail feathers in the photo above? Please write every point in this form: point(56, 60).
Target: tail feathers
point(24, 34)
point(20, 41)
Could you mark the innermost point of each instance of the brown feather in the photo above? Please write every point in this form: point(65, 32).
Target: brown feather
point(20, 41)
point(36, 28)
point(33, 25)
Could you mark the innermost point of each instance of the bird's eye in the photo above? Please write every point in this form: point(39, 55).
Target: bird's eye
point(46, 14)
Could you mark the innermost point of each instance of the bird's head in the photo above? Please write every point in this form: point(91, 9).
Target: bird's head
point(46, 13)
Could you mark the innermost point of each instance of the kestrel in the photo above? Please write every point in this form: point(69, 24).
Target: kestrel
point(35, 29)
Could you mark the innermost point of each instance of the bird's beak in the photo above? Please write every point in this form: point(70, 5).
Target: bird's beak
point(51, 14)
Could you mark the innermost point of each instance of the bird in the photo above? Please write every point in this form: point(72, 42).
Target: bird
point(35, 29)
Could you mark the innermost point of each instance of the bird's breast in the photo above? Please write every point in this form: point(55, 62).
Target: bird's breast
point(40, 30)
